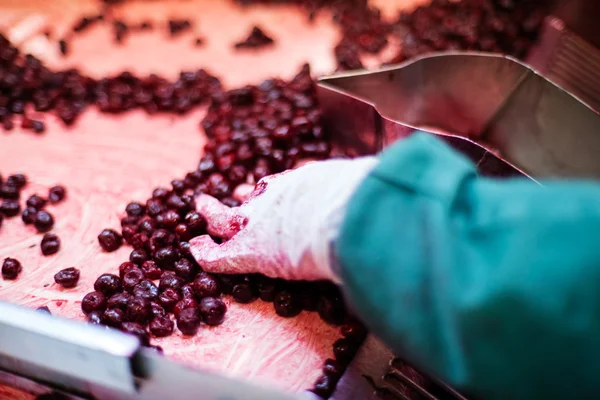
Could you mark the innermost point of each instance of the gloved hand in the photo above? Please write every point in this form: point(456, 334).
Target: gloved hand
point(286, 226)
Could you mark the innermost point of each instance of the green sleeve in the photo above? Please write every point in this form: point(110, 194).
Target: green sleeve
point(491, 285)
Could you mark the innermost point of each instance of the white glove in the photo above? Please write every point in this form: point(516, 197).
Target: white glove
point(286, 226)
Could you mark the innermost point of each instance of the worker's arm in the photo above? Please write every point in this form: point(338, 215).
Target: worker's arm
point(491, 285)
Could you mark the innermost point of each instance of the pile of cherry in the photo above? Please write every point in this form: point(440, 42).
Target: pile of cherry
point(500, 26)
point(252, 132)
point(27, 86)
point(506, 26)
point(490, 25)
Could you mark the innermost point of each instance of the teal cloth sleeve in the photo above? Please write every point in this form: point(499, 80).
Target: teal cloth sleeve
point(490, 285)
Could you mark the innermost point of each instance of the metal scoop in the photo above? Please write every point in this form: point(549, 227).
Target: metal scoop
point(495, 109)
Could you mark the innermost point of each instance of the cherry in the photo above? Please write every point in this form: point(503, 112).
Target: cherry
point(50, 244)
point(287, 304)
point(169, 280)
point(124, 267)
point(184, 269)
point(206, 285)
point(10, 208)
point(138, 309)
point(151, 270)
point(243, 293)
point(188, 321)
point(108, 284)
point(93, 301)
point(185, 302)
point(212, 310)
point(109, 240)
point(119, 300)
point(36, 202)
point(43, 222)
point(161, 326)
point(344, 350)
point(146, 289)
point(67, 277)
point(113, 317)
point(137, 330)
point(169, 298)
point(11, 268)
point(131, 278)
point(138, 256)
point(333, 368)
point(135, 209)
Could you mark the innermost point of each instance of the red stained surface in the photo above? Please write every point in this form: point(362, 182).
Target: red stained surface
point(107, 161)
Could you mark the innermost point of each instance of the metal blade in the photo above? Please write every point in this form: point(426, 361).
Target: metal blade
point(65, 353)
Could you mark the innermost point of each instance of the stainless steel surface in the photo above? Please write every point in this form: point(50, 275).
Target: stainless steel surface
point(498, 109)
point(569, 60)
point(40, 351)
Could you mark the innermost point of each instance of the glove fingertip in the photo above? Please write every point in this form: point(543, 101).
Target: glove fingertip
point(217, 258)
point(242, 192)
point(206, 204)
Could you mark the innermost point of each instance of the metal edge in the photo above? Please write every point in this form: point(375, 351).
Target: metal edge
point(70, 354)
point(328, 80)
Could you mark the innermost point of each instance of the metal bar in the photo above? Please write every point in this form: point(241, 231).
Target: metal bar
point(69, 354)
point(395, 375)
point(39, 350)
